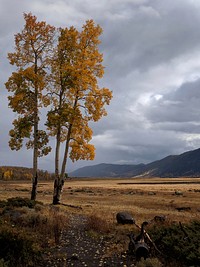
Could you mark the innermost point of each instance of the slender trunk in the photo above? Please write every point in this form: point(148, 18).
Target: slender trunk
point(59, 183)
point(57, 153)
point(35, 149)
point(64, 163)
point(60, 180)
point(57, 175)
point(56, 199)
point(35, 157)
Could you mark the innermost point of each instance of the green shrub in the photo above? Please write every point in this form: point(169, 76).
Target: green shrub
point(24, 231)
point(47, 223)
point(179, 244)
point(3, 263)
point(3, 203)
point(21, 202)
point(17, 250)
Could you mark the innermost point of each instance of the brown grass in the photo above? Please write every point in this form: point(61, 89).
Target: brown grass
point(143, 198)
point(97, 224)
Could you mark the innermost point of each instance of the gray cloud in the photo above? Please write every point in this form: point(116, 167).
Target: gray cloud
point(151, 35)
point(178, 107)
point(152, 64)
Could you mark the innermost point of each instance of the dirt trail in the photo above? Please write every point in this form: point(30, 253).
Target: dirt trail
point(77, 248)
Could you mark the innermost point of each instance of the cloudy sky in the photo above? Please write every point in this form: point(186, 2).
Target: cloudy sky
point(152, 64)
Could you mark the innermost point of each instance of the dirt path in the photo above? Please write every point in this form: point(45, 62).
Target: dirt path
point(79, 249)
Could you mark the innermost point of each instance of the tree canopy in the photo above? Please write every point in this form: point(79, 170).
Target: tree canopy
point(76, 96)
point(59, 69)
point(33, 48)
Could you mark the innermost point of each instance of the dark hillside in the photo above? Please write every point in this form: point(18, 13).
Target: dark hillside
point(186, 164)
point(108, 170)
point(183, 165)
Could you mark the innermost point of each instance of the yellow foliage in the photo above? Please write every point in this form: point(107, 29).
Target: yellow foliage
point(33, 48)
point(7, 175)
point(77, 98)
point(65, 77)
point(82, 152)
point(28, 176)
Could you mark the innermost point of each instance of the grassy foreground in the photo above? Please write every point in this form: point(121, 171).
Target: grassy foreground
point(37, 227)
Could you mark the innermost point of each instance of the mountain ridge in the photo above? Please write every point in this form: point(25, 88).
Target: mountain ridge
point(186, 164)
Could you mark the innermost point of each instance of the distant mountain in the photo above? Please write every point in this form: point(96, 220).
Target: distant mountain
point(183, 165)
point(107, 170)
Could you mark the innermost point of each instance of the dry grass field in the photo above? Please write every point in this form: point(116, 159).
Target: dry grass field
point(144, 198)
point(88, 212)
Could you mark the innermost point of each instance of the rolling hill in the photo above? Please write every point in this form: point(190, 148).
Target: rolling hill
point(183, 165)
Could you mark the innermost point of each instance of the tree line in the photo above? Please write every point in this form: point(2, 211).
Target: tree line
point(8, 173)
point(57, 71)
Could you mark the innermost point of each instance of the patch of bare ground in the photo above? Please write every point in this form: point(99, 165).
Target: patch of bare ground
point(81, 246)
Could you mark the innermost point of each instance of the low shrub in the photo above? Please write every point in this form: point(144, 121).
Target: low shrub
point(17, 250)
point(47, 223)
point(3, 203)
point(15, 202)
point(180, 244)
point(21, 202)
point(3, 263)
point(26, 230)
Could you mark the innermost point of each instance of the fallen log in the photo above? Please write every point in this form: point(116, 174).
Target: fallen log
point(149, 238)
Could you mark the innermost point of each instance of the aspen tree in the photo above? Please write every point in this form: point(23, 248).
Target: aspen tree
point(76, 97)
point(33, 49)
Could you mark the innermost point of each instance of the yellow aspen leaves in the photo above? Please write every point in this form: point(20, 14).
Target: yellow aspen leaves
point(77, 98)
point(58, 69)
point(33, 48)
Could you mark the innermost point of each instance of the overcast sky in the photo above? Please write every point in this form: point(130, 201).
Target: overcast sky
point(151, 54)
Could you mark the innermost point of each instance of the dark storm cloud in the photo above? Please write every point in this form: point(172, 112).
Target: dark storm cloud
point(153, 34)
point(135, 146)
point(180, 106)
point(151, 54)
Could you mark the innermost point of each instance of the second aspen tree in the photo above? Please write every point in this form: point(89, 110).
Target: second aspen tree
point(76, 96)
